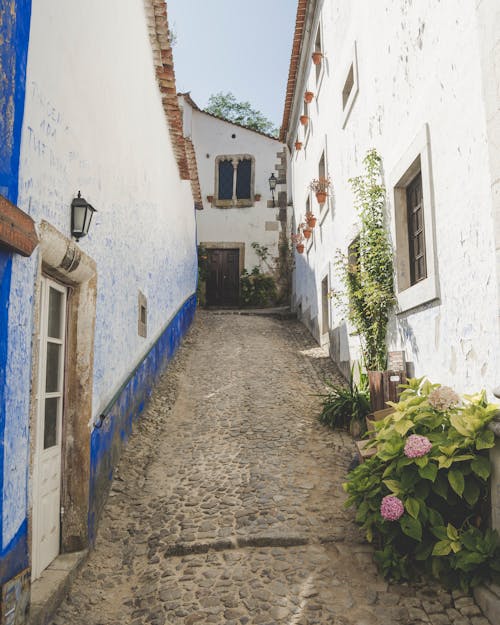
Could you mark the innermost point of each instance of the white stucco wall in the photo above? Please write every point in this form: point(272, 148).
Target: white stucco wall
point(418, 64)
point(212, 137)
point(94, 122)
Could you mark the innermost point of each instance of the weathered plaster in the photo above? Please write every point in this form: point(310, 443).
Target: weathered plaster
point(399, 48)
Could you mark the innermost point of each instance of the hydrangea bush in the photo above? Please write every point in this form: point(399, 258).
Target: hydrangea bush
point(423, 498)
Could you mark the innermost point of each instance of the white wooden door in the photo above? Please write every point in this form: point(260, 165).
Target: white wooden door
point(47, 458)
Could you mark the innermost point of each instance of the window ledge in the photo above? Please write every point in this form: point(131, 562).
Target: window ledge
point(421, 293)
point(233, 204)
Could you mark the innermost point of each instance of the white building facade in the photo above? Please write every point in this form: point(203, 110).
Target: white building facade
point(234, 166)
point(416, 82)
point(87, 325)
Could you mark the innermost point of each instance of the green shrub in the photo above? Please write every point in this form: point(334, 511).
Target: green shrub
point(346, 405)
point(431, 476)
point(256, 288)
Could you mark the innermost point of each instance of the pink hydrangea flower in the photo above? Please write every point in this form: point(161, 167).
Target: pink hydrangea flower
point(391, 508)
point(417, 446)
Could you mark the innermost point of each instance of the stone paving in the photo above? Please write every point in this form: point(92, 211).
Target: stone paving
point(227, 506)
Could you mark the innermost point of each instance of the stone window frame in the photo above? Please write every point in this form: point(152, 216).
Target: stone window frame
point(351, 67)
point(234, 202)
point(417, 158)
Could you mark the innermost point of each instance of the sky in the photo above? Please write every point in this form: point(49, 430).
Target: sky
point(231, 45)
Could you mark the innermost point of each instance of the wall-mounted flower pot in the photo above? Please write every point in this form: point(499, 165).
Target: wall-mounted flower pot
point(317, 57)
point(257, 197)
point(321, 197)
point(308, 97)
point(304, 120)
point(307, 233)
point(300, 248)
point(311, 221)
point(210, 198)
point(298, 145)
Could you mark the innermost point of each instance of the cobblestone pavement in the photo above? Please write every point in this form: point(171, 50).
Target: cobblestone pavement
point(227, 505)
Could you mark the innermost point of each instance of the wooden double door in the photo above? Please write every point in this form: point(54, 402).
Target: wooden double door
point(223, 283)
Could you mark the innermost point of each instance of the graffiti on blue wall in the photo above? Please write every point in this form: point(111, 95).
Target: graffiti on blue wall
point(14, 35)
point(106, 442)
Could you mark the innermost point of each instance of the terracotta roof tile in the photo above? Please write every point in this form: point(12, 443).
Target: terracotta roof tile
point(294, 66)
point(193, 168)
point(156, 13)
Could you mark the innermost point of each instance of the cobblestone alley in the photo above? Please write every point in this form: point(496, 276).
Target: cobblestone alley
point(227, 505)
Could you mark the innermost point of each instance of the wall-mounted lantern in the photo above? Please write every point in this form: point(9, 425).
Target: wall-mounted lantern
point(273, 181)
point(81, 216)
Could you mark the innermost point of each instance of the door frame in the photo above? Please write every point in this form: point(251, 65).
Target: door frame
point(219, 269)
point(61, 260)
point(46, 283)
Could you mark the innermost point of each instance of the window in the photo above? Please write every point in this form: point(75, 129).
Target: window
point(415, 258)
point(351, 87)
point(349, 84)
point(234, 180)
point(142, 325)
point(318, 47)
point(416, 233)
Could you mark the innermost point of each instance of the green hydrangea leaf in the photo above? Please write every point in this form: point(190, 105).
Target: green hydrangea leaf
point(456, 480)
point(481, 467)
point(442, 548)
point(412, 507)
point(411, 527)
point(429, 472)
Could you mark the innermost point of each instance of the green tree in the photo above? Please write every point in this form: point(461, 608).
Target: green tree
point(226, 106)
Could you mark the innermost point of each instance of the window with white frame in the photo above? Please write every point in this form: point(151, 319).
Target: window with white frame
point(234, 180)
point(351, 86)
point(416, 271)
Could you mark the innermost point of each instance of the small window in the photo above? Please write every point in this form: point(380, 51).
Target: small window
point(416, 232)
point(351, 86)
point(348, 86)
point(234, 176)
point(318, 47)
point(322, 166)
point(142, 325)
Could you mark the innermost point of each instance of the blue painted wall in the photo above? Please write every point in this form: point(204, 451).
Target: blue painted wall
point(107, 442)
point(15, 18)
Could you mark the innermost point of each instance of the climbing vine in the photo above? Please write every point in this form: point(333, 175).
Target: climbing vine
point(367, 269)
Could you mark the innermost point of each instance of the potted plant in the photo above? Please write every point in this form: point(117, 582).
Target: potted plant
point(304, 120)
point(298, 145)
point(257, 197)
point(316, 57)
point(308, 97)
point(310, 219)
point(298, 241)
point(307, 232)
point(320, 187)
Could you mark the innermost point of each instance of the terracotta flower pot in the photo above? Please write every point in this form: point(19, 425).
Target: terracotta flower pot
point(210, 198)
point(308, 97)
point(304, 120)
point(316, 57)
point(307, 233)
point(298, 145)
point(321, 197)
point(257, 197)
point(311, 221)
point(300, 248)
